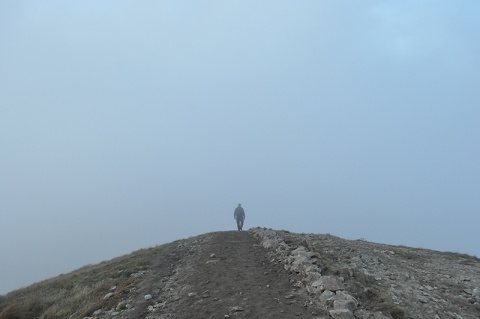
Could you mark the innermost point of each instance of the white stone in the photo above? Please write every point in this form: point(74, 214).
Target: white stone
point(97, 312)
point(110, 294)
point(147, 297)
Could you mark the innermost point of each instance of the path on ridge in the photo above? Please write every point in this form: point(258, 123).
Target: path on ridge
point(229, 274)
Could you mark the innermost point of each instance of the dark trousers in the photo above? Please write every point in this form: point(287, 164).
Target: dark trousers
point(239, 223)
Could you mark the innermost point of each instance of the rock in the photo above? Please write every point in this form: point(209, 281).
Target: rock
point(192, 294)
point(468, 291)
point(109, 295)
point(147, 297)
point(121, 305)
point(476, 292)
point(312, 269)
point(289, 296)
point(271, 243)
point(313, 275)
point(301, 250)
point(326, 295)
point(344, 304)
point(213, 255)
point(159, 305)
point(310, 289)
point(345, 296)
point(206, 294)
point(328, 283)
point(300, 263)
point(341, 314)
point(236, 309)
point(329, 302)
point(412, 281)
point(423, 299)
point(97, 312)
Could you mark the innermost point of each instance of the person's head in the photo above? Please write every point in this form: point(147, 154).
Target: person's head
point(239, 205)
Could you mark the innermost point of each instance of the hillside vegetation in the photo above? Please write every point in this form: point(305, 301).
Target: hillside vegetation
point(79, 293)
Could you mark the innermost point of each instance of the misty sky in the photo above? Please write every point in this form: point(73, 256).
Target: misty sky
point(127, 124)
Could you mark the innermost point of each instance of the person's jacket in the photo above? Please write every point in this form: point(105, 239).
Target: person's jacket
point(239, 213)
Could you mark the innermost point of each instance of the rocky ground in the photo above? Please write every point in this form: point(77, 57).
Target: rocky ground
point(263, 273)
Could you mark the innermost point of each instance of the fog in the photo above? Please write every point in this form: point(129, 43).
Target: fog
point(127, 124)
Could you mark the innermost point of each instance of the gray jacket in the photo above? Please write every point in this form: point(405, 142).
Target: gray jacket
point(239, 213)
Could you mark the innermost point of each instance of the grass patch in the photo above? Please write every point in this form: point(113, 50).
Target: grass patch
point(463, 258)
point(79, 293)
point(379, 300)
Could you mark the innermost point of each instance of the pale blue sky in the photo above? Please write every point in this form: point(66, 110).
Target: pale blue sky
point(126, 124)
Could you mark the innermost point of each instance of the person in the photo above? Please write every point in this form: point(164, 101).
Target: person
point(239, 215)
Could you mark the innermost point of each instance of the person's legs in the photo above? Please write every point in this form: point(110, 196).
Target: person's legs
point(241, 224)
point(238, 224)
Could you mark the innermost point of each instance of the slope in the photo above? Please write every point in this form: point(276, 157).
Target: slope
point(261, 273)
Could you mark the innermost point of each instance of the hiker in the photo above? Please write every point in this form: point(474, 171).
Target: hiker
point(239, 215)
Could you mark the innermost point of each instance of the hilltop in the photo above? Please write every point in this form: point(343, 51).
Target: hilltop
point(261, 273)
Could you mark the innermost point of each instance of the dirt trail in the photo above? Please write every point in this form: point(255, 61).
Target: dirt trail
point(234, 278)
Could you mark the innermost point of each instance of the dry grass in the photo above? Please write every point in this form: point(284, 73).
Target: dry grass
point(379, 300)
point(463, 258)
point(79, 293)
